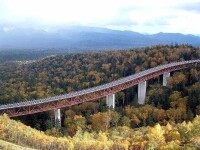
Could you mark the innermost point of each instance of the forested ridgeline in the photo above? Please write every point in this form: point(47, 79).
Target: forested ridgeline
point(72, 72)
point(50, 76)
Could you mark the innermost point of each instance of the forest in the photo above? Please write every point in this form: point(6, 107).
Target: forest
point(181, 136)
point(169, 120)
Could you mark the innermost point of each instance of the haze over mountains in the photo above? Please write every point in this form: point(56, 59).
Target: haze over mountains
point(87, 38)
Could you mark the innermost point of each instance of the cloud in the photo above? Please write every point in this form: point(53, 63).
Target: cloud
point(122, 18)
point(161, 20)
point(122, 22)
point(190, 7)
point(142, 16)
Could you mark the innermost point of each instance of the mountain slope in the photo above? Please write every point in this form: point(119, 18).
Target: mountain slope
point(176, 37)
point(87, 38)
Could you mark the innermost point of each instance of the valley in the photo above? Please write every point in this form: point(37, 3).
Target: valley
point(169, 113)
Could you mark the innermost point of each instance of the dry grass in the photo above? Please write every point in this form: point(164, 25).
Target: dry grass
point(9, 146)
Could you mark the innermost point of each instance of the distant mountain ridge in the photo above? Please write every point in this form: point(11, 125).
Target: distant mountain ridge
point(87, 38)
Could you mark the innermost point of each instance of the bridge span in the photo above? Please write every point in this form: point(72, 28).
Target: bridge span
point(107, 90)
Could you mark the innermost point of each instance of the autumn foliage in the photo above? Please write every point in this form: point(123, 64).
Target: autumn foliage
point(171, 136)
point(169, 120)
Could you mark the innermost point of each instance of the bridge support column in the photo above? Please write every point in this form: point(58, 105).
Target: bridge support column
point(141, 92)
point(110, 101)
point(165, 76)
point(57, 118)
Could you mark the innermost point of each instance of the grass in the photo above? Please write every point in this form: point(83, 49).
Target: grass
point(9, 146)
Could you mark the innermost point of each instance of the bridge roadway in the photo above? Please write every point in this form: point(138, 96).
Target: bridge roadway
point(73, 98)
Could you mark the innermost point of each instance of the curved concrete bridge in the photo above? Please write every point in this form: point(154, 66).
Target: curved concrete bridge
point(106, 90)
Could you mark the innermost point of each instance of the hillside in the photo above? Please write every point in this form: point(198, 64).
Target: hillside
point(171, 136)
point(9, 146)
point(81, 38)
point(65, 73)
point(168, 112)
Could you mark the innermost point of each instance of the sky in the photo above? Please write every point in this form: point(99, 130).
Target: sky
point(144, 16)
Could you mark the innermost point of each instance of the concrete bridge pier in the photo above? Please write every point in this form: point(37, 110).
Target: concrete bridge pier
point(165, 76)
point(110, 101)
point(57, 118)
point(141, 92)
